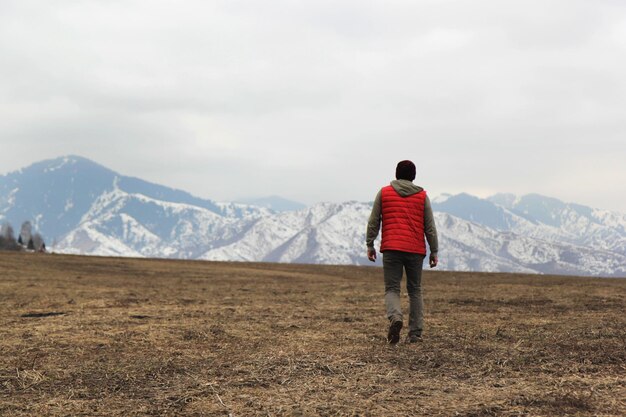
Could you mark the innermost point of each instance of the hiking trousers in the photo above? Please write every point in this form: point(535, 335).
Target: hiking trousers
point(394, 263)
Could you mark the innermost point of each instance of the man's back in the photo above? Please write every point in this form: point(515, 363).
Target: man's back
point(404, 211)
point(403, 219)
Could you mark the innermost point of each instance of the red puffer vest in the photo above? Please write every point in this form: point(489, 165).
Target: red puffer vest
point(403, 221)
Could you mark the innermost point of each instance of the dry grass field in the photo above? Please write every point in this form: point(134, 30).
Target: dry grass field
point(108, 336)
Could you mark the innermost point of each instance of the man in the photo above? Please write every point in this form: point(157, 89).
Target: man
point(406, 215)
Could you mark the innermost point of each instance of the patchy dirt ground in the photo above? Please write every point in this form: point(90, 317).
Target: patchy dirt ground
point(109, 336)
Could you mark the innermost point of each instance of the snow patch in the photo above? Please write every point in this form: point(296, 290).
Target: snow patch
point(10, 200)
point(440, 198)
point(64, 161)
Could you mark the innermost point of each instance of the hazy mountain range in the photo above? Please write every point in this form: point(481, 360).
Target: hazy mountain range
point(85, 208)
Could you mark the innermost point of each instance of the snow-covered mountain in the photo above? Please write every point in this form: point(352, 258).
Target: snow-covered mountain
point(131, 224)
point(71, 198)
point(542, 217)
point(470, 246)
point(89, 209)
point(326, 233)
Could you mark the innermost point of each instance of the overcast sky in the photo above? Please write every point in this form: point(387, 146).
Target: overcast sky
point(318, 100)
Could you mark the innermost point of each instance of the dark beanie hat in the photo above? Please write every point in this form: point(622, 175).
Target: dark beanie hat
point(405, 170)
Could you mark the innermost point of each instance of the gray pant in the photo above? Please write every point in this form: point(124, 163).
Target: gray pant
point(393, 264)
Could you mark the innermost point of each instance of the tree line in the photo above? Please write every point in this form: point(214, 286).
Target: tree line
point(26, 239)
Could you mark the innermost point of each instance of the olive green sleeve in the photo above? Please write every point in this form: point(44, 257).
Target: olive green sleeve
point(373, 225)
point(429, 227)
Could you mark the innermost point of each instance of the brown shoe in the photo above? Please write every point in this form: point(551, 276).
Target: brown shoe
point(393, 336)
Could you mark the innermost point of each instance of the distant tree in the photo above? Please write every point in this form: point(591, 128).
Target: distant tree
point(26, 231)
point(7, 238)
point(8, 242)
point(37, 241)
point(8, 232)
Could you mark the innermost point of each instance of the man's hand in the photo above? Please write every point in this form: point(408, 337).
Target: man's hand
point(433, 261)
point(371, 254)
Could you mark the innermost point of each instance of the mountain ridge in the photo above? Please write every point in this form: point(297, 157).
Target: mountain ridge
point(101, 212)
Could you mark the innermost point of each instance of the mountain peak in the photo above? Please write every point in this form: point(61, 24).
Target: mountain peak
point(63, 164)
point(64, 161)
point(474, 209)
point(507, 200)
point(440, 198)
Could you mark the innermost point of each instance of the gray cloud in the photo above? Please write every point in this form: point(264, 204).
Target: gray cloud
point(318, 100)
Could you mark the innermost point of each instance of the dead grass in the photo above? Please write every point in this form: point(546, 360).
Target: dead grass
point(108, 336)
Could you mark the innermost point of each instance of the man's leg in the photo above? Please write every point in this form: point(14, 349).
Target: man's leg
point(413, 265)
point(392, 268)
